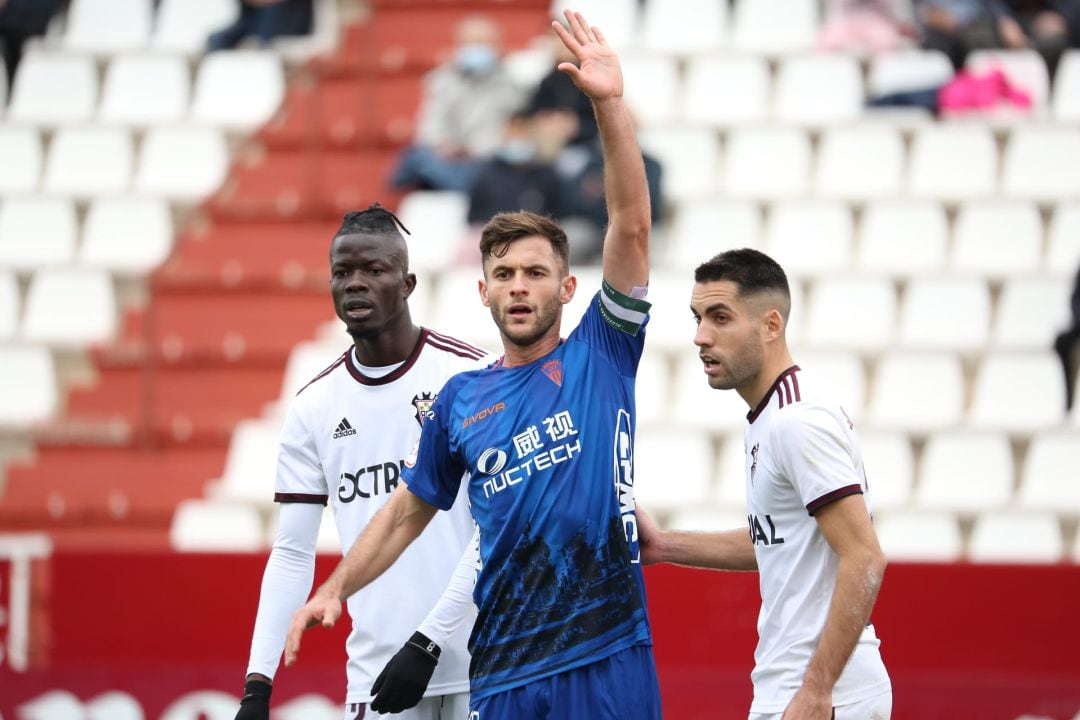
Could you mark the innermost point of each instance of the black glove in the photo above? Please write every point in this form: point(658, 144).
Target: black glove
point(402, 683)
point(255, 705)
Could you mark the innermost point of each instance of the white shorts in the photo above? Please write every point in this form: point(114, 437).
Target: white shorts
point(441, 707)
point(878, 707)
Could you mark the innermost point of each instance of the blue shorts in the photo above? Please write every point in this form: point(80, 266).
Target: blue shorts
point(620, 687)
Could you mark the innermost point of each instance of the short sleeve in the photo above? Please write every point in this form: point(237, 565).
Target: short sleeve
point(814, 454)
point(613, 324)
point(432, 471)
point(300, 476)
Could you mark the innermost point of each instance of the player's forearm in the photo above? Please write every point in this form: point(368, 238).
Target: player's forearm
point(625, 188)
point(390, 531)
point(858, 580)
point(728, 550)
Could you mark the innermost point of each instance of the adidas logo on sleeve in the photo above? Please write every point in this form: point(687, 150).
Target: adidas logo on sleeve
point(344, 429)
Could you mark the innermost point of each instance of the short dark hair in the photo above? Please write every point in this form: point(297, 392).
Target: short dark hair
point(506, 228)
point(375, 220)
point(752, 271)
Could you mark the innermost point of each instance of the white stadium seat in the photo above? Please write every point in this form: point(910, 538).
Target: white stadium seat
point(946, 313)
point(1066, 99)
point(54, 89)
point(809, 237)
point(840, 375)
point(917, 392)
point(690, 157)
point(88, 161)
point(907, 70)
point(919, 535)
point(618, 19)
point(953, 162)
point(730, 475)
point(10, 304)
point(182, 164)
point(818, 90)
point(238, 90)
point(28, 394)
point(37, 232)
point(856, 313)
point(767, 163)
point(671, 324)
point(683, 27)
point(145, 89)
point(459, 311)
point(652, 88)
point(726, 90)
point(437, 221)
point(70, 308)
point(1031, 312)
point(772, 28)
point(890, 468)
point(20, 146)
point(184, 26)
point(903, 237)
point(130, 236)
point(997, 238)
point(707, 519)
point(696, 405)
point(652, 393)
point(306, 361)
point(212, 526)
point(251, 463)
point(1063, 241)
point(1025, 70)
point(706, 227)
point(860, 163)
point(1016, 537)
point(1018, 392)
point(966, 471)
point(1038, 161)
point(672, 469)
point(108, 26)
point(528, 66)
point(1051, 473)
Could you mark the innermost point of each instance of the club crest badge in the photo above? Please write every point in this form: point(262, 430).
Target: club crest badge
point(553, 369)
point(753, 464)
point(422, 405)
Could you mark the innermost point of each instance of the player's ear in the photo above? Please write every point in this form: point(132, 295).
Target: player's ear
point(567, 288)
point(409, 285)
point(482, 286)
point(774, 324)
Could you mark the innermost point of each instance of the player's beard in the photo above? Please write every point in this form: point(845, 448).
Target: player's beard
point(545, 316)
point(742, 367)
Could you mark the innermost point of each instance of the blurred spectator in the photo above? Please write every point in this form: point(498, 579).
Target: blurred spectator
point(1068, 343)
point(956, 27)
point(866, 26)
point(557, 100)
point(264, 20)
point(516, 178)
point(1038, 24)
point(467, 102)
point(21, 20)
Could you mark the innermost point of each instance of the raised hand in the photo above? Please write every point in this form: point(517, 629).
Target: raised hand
point(321, 609)
point(597, 73)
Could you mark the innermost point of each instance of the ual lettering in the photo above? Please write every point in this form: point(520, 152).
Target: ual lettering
point(757, 531)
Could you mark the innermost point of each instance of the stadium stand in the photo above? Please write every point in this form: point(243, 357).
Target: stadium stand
point(191, 223)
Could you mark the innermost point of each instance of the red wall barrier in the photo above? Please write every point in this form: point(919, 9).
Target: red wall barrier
point(960, 641)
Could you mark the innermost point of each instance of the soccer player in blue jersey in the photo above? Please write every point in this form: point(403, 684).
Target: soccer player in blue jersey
point(545, 439)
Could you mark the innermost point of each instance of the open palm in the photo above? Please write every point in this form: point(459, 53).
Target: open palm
point(597, 73)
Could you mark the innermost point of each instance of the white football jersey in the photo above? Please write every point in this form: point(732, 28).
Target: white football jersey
point(802, 453)
point(345, 440)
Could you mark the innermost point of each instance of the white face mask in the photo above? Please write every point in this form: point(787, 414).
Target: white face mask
point(476, 58)
point(517, 151)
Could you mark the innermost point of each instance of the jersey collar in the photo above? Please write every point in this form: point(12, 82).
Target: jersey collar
point(790, 372)
point(389, 377)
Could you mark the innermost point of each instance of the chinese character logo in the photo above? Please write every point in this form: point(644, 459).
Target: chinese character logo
point(560, 426)
point(528, 441)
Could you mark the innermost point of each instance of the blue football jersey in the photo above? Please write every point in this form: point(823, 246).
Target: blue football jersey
point(548, 449)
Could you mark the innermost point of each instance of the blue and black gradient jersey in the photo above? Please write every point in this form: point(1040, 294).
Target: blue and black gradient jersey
point(547, 448)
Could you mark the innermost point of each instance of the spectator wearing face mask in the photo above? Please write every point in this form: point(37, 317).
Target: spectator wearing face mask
point(466, 104)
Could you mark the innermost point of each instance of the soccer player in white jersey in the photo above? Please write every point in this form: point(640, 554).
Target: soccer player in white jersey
point(344, 441)
point(810, 532)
